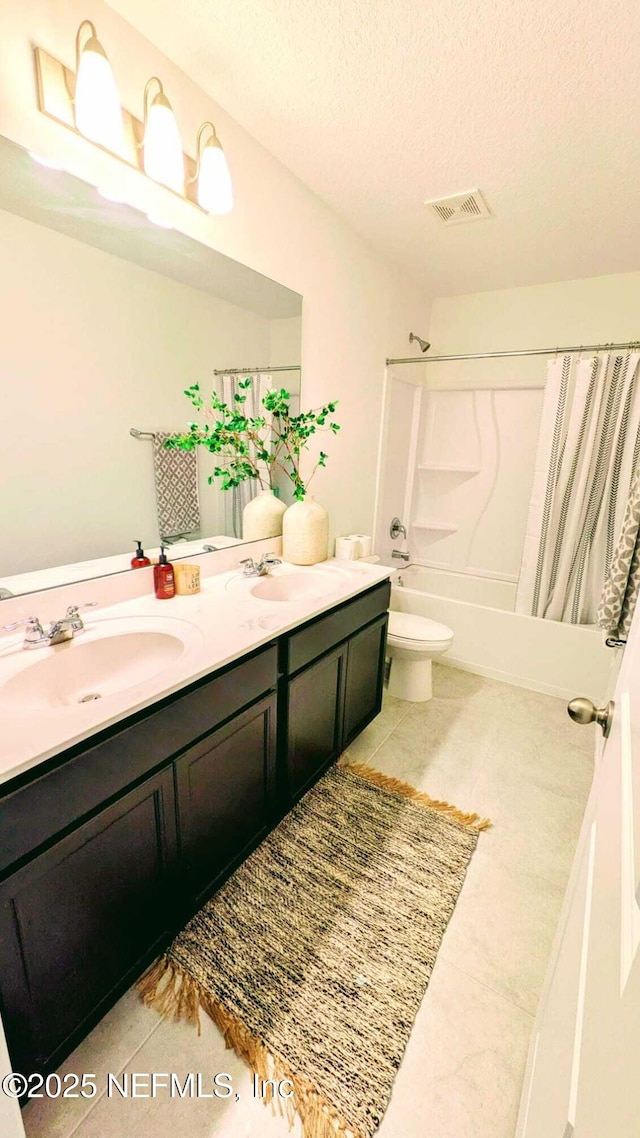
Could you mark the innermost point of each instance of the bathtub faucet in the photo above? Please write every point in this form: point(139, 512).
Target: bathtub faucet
point(400, 555)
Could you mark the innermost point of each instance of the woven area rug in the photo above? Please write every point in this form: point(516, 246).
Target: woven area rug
point(315, 955)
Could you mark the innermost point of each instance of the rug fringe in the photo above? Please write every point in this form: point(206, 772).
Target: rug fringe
point(172, 990)
point(404, 790)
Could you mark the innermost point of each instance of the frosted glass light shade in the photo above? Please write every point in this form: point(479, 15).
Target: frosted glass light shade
point(163, 157)
point(215, 192)
point(97, 104)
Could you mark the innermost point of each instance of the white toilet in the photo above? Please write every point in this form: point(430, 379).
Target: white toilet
point(412, 642)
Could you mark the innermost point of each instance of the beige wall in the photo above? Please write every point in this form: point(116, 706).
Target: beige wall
point(357, 309)
point(589, 311)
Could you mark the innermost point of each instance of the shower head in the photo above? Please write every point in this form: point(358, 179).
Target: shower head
point(424, 344)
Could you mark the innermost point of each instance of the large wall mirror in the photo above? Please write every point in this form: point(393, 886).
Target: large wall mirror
point(106, 319)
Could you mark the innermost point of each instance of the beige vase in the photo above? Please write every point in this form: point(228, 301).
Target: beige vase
point(305, 533)
point(262, 516)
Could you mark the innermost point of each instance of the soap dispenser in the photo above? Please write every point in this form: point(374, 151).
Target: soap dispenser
point(163, 577)
point(139, 560)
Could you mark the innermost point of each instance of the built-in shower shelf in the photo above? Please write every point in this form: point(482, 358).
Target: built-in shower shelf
point(442, 528)
point(442, 468)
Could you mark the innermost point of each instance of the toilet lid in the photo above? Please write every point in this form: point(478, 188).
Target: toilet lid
point(408, 626)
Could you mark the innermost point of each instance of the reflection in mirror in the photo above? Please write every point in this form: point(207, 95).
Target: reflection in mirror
point(107, 319)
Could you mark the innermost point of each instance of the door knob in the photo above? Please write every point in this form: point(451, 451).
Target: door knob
point(583, 710)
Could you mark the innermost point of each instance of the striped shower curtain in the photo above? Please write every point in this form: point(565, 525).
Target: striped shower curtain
point(588, 451)
point(236, 499)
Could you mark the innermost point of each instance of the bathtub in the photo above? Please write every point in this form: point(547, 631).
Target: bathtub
point(493, 640)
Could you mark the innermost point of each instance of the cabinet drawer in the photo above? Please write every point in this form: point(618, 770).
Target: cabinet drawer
point(324, 633)
point(36, 812)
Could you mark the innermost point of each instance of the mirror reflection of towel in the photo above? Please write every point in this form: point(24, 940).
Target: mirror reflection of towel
point(176, 477)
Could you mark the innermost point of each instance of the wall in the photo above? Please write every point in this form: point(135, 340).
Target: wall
point(285, 336)
point(357, 309)
point(589, 311)
point(91, 346)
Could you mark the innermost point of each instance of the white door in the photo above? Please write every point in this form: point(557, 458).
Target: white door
point(583, 1078)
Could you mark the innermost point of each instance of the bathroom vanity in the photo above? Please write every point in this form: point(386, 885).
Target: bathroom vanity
point(108, 845)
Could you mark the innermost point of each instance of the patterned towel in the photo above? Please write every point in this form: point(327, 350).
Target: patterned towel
point(176, 475)
point(622, 582)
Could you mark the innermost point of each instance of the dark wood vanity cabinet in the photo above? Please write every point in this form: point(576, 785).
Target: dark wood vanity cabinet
point(364, 678)
point(225, 797)
point(315, 714)
point(335, 693)
point(110, 847)
point(82, 918)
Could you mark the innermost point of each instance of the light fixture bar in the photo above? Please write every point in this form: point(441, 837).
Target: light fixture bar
point(56, 83)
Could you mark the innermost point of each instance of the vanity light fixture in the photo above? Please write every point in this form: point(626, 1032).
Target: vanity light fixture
point(162, 148)
point(98, 115)
point(215, 192)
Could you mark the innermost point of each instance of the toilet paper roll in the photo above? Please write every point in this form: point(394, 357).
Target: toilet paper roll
point(365, 543)
point(347, 549)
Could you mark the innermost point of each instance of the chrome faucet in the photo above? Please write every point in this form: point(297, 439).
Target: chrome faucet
point(56, 632)
point(262, 568)
point(400, 555)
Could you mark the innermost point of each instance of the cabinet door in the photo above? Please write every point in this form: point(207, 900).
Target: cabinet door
point(225, 795)
point(365, 675)
point(80, 921)
point(314, 718)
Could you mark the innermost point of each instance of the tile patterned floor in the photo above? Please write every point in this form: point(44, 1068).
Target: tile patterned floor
point(506, 752)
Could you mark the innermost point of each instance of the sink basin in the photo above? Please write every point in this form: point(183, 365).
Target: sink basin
point(101, 662)
point(312, 585)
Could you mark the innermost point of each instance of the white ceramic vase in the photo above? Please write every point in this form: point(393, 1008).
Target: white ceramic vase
point(262, 516)
point(305, 533)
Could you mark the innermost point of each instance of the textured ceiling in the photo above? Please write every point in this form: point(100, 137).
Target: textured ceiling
point(379, 105)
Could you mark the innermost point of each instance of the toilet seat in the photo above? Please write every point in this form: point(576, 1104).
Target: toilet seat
point(412, 631)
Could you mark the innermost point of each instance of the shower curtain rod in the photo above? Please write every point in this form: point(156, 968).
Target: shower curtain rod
point(525, 352)
point(254, 370)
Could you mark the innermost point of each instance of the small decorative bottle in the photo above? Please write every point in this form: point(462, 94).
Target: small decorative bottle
point(139, 560)
point(163, 577)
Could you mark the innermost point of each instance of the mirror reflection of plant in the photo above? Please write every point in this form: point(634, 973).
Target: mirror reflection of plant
point(256, 446)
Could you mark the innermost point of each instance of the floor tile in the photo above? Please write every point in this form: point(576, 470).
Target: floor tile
point(108, 1048)
point(463, 1067)
point(502, 929)
point(365, 746)
point(176, 1048)
point(437, 751)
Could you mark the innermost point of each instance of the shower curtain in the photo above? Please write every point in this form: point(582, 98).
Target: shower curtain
point(588, 451)
point(236, 499)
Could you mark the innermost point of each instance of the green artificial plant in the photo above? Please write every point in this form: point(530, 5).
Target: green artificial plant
point(256, 446)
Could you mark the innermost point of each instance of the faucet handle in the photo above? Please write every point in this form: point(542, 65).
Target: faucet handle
point(34, 634)
point(32, 621)
point(73, 617)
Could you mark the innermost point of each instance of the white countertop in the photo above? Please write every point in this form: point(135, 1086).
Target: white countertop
point(217, 626)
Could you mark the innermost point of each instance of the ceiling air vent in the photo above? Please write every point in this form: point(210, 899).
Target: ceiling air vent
point(469, 206)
